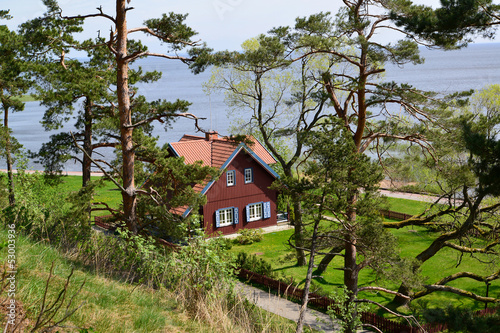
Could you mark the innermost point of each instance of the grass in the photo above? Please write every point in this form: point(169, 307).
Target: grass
point(412, 241)
point(107, 305)
point(406, 206)
point(107, 193)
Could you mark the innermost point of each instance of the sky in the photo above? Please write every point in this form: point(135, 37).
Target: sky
point(222, 24)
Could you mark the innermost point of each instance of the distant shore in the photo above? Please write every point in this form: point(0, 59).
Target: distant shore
point(66, 173)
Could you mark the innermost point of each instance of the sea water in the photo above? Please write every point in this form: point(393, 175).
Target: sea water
point(443, 71)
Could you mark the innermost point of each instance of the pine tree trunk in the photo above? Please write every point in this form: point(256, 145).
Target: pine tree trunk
point(298, 230)
point(351, 269)
point(87, 144)
point(129, 194)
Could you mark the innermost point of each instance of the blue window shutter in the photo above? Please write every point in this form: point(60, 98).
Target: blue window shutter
point(267, 209)
point(217, 219)
point(248, 212)
point(235, 215)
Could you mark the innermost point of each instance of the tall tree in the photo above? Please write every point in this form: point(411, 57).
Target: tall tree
point(373, 111)
point(88, 86)
point(172, 31)
point(332, 172)
point(14, 82)
point(469, 172)
point(284, 103)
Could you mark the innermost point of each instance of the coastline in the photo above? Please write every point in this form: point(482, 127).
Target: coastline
point(65, 173)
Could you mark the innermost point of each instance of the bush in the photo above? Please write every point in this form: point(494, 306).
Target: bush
point(36, 212)
point(463, 320)
point(133, 258)
point(254, 264)
point(249, 236)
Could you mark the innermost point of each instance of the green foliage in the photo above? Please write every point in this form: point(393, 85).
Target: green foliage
point(349, 316)
point(249, 236)
point(254, 264)
point(201, 270)
point(63, 222)
point(133, 258)
point(462, 320)
point(171, 28)
point(171, 182)
point(480, 129)
point(452, 25)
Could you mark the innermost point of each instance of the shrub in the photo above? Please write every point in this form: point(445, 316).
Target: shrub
point(36, 213)
point(133, 258)
point(463, 320)
point(249, 236)
point(254, 264)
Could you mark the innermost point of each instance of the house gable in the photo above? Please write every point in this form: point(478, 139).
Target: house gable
point(240, 197)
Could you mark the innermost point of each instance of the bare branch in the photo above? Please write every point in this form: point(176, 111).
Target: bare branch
point(97, 164)
point(384, 290)
point(461, 292)
point(100, 14)
point(166, 115)
point(465, 249)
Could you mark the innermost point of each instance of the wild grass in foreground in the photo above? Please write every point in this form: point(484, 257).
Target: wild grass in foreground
point(110, 305)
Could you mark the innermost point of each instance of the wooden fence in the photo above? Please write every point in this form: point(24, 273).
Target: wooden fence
point(394, 215)
point(323, 303)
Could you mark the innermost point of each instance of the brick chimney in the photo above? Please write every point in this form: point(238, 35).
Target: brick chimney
point(210, 136)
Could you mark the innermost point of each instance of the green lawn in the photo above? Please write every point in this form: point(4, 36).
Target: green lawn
point(407, 206)
point(412, 241)
point(108, 193)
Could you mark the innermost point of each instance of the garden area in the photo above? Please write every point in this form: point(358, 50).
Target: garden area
point(274, 249)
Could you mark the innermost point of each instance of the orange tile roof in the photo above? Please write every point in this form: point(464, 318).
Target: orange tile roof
point(216, 151)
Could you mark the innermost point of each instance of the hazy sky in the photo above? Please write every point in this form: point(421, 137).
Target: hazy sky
point(223, 24)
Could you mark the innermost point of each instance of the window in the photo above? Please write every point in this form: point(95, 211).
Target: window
point(230, 178)
point(254, 212)
point(248, 175)
point(258, 211)
point(226, 216)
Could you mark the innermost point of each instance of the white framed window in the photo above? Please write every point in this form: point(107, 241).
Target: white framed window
point(258, 211)
point(254, 212)
point(248, 175)
point(230, 178)
point(226, 216)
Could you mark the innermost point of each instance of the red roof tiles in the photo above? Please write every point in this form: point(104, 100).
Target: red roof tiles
point(216, 150)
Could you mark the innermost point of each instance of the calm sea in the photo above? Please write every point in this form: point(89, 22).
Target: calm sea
point(443, 71)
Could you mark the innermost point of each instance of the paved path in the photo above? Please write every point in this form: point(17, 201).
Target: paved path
point(287, 309)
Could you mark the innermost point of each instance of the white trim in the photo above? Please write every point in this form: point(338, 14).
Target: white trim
point(250, 170)
point(254, 212)
point(226, 217)
point(232, 181)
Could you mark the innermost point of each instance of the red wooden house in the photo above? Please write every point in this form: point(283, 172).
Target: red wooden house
point(241, 197)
